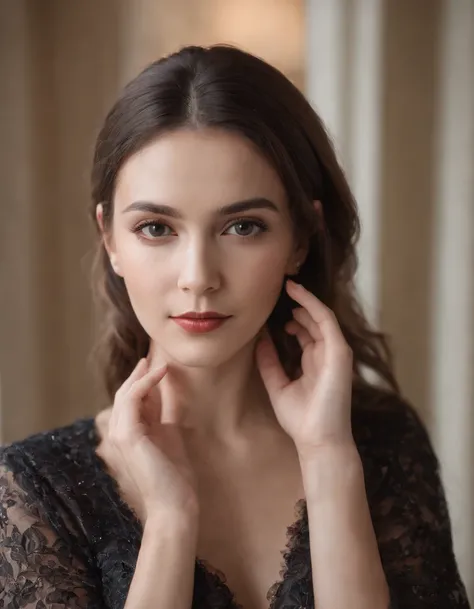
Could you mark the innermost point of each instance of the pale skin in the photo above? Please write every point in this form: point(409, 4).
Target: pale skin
point(203, 410)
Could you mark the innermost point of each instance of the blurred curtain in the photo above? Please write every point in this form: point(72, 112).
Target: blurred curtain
point(393, 79)
point(61, 67)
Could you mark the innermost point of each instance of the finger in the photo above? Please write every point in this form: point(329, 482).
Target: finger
point(151, 406)
point(320, 314)
point(130, 415)
point(273, 375)
point(302, 335)
point(137, 373)
point(304, 319)
point(142, 386)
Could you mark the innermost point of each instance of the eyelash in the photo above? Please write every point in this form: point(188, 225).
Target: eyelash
point(262, 226)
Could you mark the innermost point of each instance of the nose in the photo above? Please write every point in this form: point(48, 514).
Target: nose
point(198, 270)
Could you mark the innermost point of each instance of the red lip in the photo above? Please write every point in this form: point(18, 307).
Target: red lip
point(204, 315)
point(199, 326)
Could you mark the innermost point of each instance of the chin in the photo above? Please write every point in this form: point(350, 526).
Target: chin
point(200, 353)
point(197, 360)
point(205, 350)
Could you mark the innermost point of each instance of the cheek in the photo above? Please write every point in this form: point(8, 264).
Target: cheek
point(144, 292)
point(266, 276)
point(143, 275)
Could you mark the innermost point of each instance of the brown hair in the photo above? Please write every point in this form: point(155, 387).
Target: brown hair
point(227, 88)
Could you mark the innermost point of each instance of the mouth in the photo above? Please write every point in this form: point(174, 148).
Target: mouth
point(200, 325)
point(203, 315)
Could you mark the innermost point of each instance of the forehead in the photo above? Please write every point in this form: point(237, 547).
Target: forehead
point(203, 168)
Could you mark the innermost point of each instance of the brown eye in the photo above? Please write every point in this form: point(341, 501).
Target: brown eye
point(245, 228)
point(155, 229)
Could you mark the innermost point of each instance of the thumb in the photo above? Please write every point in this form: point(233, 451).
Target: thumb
point(268, 363)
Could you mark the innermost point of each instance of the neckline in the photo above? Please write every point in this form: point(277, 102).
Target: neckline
point(219, 579)
point(215, 578)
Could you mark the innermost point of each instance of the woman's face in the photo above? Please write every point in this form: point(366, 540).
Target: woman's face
point(201, 258)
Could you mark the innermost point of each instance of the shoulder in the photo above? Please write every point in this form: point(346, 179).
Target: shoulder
point(52, 448)
point(393, 442)
point(47, 472)
point(383, 419)
point(49, 465)
point(45, 552)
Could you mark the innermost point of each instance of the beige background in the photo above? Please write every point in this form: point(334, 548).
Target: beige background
point(393, 80)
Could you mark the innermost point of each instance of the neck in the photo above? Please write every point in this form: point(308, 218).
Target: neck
point(224, 402)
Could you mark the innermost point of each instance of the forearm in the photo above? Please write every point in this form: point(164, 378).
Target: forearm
point(164, 574)
point(346, 566)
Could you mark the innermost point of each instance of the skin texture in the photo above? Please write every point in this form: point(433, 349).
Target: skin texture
point(204, 262)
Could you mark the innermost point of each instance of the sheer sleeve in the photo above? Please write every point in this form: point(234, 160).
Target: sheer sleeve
point(412, 522)
point(38, 569)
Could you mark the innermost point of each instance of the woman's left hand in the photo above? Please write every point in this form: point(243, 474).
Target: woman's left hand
point(315, 409)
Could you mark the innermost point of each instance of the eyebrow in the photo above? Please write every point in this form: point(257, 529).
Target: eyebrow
point(226, 210)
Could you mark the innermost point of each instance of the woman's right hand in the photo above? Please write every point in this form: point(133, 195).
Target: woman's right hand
point(148, 458)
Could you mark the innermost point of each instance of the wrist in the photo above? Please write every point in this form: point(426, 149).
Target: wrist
point(334, 453)
point(173, 523)
point(331, 470)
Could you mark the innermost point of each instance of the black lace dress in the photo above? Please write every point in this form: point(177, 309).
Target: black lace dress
point(68, 540)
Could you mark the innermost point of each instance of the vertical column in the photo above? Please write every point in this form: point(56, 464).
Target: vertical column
point(364, 143)
point(373, 75)
point(325, 63)
point(85, 74)
point(452, 321)
point(410, 88)
point(344, 85)
point(20, 349)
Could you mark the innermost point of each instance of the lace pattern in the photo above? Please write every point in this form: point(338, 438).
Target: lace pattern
point(67, 539)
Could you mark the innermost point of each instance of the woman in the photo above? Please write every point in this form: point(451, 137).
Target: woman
point(231, 442)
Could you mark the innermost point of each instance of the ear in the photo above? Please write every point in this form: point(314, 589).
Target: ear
point(297, 259)
point(107, 239)
point(299, 256)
